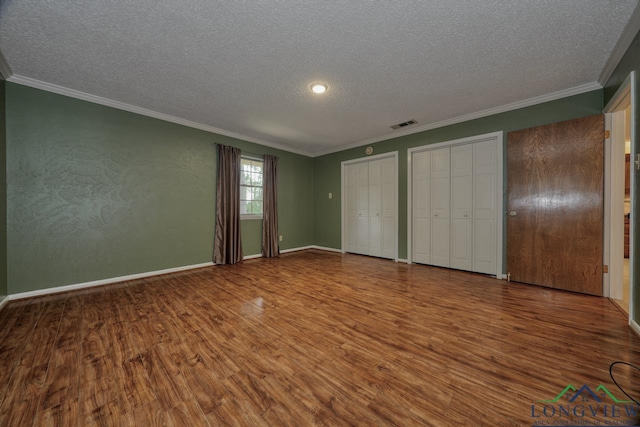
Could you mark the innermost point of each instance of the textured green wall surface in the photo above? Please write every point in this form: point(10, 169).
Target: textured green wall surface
point(3, 193)
point(327, 224)
point(631, 62)
point(95, 192)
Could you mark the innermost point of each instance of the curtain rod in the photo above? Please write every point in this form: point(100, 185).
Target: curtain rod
point(246, 153)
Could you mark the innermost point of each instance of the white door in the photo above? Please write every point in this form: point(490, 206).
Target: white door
point(370, 212)
point(362, 195)
point(375, 208)
point(484, 207)
point(461, 206)
point(351, 207)
point(440, 219)
point(421, 209)
point(455, 204)
point(389, 207)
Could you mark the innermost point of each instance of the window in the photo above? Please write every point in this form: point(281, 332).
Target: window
point(251, 188)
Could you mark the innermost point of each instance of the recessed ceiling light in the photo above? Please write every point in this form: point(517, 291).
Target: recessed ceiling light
point(318, 88)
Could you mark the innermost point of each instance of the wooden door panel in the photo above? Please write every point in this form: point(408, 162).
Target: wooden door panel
point(555, 189)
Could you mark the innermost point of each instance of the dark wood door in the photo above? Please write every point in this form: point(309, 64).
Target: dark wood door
point(555, 210)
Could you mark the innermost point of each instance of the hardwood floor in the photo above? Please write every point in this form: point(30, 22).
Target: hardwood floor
point(310, 338)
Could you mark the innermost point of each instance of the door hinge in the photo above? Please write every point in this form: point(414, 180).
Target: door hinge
point(605, 268)
point(607, 134)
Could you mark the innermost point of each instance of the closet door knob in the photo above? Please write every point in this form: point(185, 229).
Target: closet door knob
point(512, 213)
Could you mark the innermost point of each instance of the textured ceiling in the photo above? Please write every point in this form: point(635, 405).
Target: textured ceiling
point(245, 66)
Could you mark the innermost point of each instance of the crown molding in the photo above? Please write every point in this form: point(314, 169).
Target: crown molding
point(49, 87)
point(577, 90)
point(5, 70)
point(628, 34)
point(61, 90)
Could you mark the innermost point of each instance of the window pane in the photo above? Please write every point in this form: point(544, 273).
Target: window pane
point(255, 208)
point(251, 192)
point(256, 178)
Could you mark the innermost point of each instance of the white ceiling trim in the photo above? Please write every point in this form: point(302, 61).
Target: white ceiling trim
point(577, 90)
point(5, 70)
point(37, 84)
point(628, 34)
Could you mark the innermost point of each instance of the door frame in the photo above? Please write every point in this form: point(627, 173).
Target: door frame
point(343, 211)
point(626, 91)
point(499, 138)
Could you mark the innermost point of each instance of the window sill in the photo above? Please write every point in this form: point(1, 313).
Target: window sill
point(250, 217)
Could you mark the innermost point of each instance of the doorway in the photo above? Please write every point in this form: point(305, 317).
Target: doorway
point(370, 206)
point(619, 185)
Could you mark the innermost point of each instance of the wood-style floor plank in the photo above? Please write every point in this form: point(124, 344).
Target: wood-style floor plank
point(311, 338)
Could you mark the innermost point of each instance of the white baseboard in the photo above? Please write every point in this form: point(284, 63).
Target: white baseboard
point(402, 260)
point(324, 248)
point(301, 248)
point(94, 283)
point(4, 301)
point(67, 288)
point(634, 326)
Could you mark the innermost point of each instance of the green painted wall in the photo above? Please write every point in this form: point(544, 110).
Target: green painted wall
point(3, 192)
point(631, 62)
point(95, 192)
point(327, 227)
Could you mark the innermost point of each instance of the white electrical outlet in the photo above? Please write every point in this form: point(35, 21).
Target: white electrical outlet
point(331, 195)
point(280, 238)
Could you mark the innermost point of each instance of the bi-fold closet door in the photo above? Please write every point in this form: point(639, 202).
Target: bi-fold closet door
point(370, 207)
point(454, 192)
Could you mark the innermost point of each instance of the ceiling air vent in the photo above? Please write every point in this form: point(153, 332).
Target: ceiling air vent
point(404, 124)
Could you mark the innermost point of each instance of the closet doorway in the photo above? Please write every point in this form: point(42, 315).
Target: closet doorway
point(370, 206)
point(455, 196)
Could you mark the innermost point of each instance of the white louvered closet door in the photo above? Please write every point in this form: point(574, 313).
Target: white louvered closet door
point(440, 207)
point(454, 194)
point(461, 206)
point(351, 207)
point(370, 215)
point(389, 207)
point(375, 208)
point(362, 197)
point(421, 188)
point(485, 193)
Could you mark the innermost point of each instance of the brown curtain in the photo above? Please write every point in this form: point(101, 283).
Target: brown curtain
point(270, 208)
point(228, 246)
